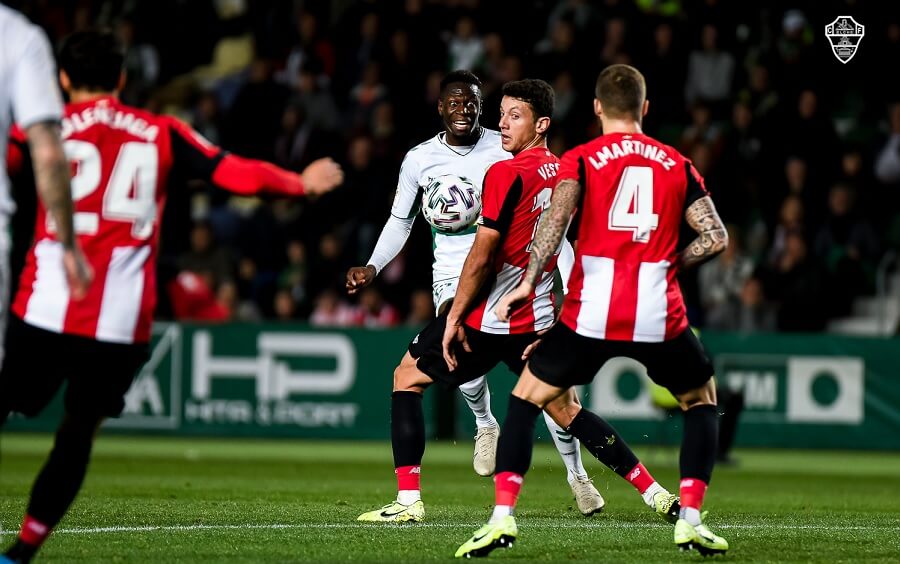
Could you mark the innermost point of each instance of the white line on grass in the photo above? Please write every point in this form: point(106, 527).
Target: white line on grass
point(525, 525)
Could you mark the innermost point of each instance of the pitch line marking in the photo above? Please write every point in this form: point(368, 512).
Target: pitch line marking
point(314, 526)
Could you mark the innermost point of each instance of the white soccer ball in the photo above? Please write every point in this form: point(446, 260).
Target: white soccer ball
point(451, 203)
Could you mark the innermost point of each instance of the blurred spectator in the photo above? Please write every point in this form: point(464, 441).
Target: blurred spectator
point(799, 285)
point(756, 314)
point(887, 164)
point(254, 118)
point(293, 276)
point(710, 72)
point(206, 256)
point(331, 311)
point(206, 117)
point(373, 311)
point(141, 64)
point(421, 308)
point(702, 129)
point(665, 69)
point(285, 307)
point(193, 299)
point(314, 99)
point(364, 96)
point(722, 282)
point(614, 50)
point(791, 219)
point(848, 246)
point(465, 48)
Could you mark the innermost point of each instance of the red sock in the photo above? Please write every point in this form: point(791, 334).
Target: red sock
point(33, 532)
point(408, 477)
point(640, 478)
point(692, 492)
point(507, 486)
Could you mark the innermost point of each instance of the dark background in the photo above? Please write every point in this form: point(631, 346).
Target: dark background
point(800, 151)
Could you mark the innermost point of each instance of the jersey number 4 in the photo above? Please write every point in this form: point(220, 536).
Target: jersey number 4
point(632, 208)
point(130, 192)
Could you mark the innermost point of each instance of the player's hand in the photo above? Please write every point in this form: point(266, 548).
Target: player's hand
point(453, 334)
point(526, 354)
point(79, 273)
point(359, 277)
point(321, 176)
point(511, 300)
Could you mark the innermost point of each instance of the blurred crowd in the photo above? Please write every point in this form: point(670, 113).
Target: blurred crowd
point(800, 152)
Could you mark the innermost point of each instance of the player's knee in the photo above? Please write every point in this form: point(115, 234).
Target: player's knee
point(407, 378)
point(563, 412)
point(704, 395)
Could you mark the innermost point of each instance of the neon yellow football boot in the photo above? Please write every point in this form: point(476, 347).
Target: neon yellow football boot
point(395, 512)
point(499, 534)
point(707, 543)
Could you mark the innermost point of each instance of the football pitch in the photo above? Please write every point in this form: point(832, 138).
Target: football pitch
point(211, 500)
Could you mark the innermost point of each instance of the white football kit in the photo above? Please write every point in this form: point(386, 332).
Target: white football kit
point(423, 163)
point(29, 95)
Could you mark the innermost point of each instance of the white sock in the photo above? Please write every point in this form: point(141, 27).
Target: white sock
point(501, 511)
point(408, 497)
point(691, 515)
point(650, 492)
point(569, 449)
point(478, 396)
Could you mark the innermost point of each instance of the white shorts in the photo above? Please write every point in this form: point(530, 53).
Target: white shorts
point(443, 291)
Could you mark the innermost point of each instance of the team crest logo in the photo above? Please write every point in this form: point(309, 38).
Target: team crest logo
point(845, 35)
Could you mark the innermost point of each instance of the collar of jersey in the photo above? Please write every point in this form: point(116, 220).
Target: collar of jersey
point(466, 148)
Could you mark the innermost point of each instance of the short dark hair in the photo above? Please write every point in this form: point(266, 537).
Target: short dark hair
point(621, 90)
point(92, 59)
point(464, 76)
point(537, 93)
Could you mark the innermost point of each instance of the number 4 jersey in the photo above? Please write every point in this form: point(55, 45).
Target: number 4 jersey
point(623, 286)
point(122, 159)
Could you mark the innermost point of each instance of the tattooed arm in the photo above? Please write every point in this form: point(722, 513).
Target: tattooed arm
point(704, 219)
point(550, 232)
point(51, 175)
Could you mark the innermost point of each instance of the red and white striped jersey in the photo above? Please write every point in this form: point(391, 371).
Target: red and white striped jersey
point(623, 285)
point(122, 159)
point(515, 194)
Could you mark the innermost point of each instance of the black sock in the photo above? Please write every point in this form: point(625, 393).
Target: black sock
point(731, 404)
point(62, 475)
point(407, 428)
point(602, 440)
point(21, 552)
point(517, 437)
point(698, 447)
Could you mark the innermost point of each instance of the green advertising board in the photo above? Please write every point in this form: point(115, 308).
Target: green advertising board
point(806, 391)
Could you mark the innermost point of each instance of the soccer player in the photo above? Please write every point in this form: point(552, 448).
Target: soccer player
point(122, 159)
point(632, 194)
point(516, 193)
point(467, 149)
point(29, 94)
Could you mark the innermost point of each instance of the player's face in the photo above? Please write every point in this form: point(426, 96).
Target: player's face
point(460, 108)
point(518, 127)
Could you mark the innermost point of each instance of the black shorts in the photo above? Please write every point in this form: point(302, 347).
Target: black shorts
point(488, 350)
point(37, 363)
point(566, 359)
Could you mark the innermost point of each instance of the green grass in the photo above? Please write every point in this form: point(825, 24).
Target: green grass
point(201, 500)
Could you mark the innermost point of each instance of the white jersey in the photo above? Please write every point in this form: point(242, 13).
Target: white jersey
point(28, 90)
point(423, 163)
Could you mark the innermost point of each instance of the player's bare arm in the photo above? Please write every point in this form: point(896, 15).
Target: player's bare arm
point(51, 174)
point(550, 232)
point(713, 237)
point(475, 272)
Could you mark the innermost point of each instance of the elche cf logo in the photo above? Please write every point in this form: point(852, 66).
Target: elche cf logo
point(845, 35)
